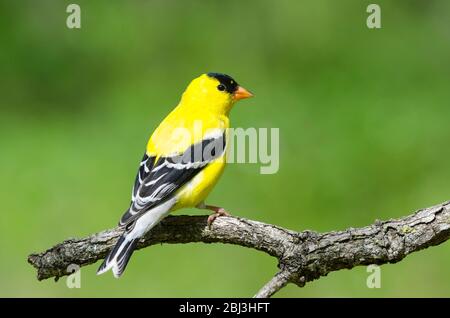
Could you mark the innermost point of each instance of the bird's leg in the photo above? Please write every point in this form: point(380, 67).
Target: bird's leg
point(218, 211)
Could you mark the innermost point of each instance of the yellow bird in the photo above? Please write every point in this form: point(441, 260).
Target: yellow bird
point(184, 159)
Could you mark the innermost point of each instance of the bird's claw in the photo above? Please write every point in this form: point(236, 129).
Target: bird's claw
point(215, 215)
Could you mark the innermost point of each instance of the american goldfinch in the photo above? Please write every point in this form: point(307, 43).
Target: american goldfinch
point(184, 158)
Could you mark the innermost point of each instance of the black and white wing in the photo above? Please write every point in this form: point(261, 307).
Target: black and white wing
point(158, 179)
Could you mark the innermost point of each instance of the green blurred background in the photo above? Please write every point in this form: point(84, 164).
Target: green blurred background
point(363, 117)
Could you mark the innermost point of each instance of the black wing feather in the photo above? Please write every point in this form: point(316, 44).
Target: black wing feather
point(157, 182)
point(144, 170)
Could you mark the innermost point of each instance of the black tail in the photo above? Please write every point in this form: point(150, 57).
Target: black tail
point(119, 256)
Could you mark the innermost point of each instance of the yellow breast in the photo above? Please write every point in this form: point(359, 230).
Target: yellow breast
point(196, 191)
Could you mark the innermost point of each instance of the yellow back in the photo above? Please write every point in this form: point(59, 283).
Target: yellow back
point(203, 110)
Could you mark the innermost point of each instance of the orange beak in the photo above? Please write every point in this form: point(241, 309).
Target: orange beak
point(241, 93)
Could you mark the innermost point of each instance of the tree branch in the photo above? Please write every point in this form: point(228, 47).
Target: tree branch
point(302, 256)
point(277, 282)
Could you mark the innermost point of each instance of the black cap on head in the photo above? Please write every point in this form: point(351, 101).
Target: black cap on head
point(230, 84)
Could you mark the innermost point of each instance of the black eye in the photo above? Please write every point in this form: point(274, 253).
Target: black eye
point(221, 87)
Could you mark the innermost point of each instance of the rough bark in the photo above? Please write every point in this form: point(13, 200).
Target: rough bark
point(302, 256)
